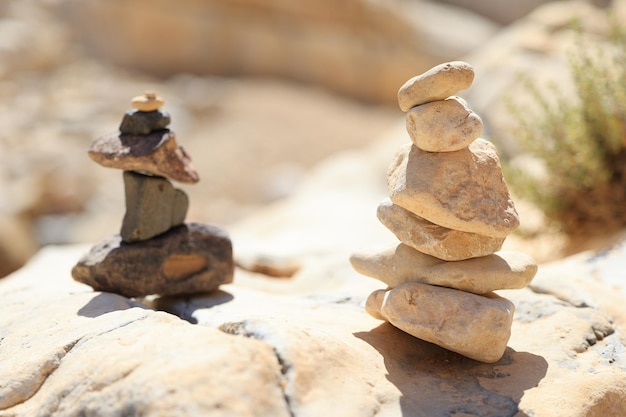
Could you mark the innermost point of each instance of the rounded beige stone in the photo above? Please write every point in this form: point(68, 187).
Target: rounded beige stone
point(443, 125)
point(462, 190)
point(476, 326)
point(149, 101)
point(432, 239)
point(399, 264)
point(437, 83)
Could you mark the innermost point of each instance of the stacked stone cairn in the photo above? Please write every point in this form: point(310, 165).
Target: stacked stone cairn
point(156, 252)
point(451, 210)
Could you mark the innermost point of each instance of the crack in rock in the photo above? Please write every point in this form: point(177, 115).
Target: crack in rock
point(20, 391)
point(241, 329)
point(24, 389)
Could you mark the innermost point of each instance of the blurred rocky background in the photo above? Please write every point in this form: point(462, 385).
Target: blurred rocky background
point(259, 92)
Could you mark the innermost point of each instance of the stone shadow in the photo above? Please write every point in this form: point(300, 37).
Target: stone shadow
point(105, 302)
point(435, 382)
point(185, 306)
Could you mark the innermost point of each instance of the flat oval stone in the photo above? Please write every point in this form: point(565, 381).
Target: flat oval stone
point(443, 125)
point(149, 101)
point(462, 190)
point(437, 83)
point(476, 326)
point(432, 239)
point(400, 263)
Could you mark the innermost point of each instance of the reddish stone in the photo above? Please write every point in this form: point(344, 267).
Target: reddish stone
point(156, 154)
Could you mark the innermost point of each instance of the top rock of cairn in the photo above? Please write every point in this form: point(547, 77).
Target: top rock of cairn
point(149, 101)
point(145, 144)
point(438, 83)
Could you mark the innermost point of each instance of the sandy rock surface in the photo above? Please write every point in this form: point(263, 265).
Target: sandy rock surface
point(304, 345)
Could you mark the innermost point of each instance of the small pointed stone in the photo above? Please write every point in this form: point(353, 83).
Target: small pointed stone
point(443, 125)
point(187, 259)
point(437, 83)
point(432, 239)
point(400, 264)
point(149, 101)
point(153, 206)
point(476, 326)
point(462, 190)
point(137, 122)
point(156, 154)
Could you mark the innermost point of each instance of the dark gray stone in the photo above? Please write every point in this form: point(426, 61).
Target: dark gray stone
point(153, 206)
point(190, 258)
point(137, 122)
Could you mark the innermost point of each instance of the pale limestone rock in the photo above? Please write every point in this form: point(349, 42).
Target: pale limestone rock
point(432, 239)
point(437, 83)
point(399, 264)
point(443, 125)
point(149, 101)
point(99, 354)
point(372, 367)
point(476, 326)
point(462, 190)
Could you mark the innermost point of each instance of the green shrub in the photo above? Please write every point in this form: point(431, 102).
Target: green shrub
point(582, 143)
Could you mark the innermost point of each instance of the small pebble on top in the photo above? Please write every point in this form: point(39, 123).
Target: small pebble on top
point(149, 101)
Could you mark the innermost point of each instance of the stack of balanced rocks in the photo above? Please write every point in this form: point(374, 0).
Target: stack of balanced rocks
point(451, 210)
point(156, 252)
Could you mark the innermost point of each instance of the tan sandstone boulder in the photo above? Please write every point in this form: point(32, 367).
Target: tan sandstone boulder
point(473, 197)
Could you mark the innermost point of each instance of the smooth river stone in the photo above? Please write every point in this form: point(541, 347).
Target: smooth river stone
point(432, 239)
point(153, 206)
point(156, 154)
point(437, 83)
point(443, 125)
point(400, 264)
point(462, 190)
point(188, 259)
point(476, 326)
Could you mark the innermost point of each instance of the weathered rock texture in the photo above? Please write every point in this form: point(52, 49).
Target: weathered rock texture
point(101, 354)
point(191, 258)
point(476, 326)
point(295, 354)
point(462, 190)
point(443, 125)
point(153, 206)
point(432, 239)
point(156, 153)
point(399, 264)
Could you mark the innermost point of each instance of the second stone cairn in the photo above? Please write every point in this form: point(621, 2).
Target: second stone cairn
point(156, 252)
point(451, 210)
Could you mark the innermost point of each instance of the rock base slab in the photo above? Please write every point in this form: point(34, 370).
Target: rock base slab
point(191, 258)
